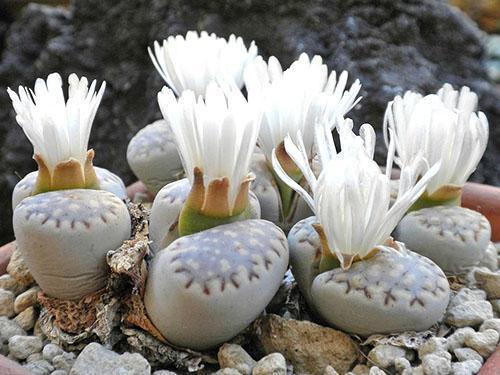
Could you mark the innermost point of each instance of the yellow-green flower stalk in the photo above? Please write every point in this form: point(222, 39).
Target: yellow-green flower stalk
point(294, 100)
point(59, 130)
point(439, 127)
point(215, 136)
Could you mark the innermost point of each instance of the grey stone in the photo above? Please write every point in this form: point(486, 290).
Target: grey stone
point(456, 340)
point(40, 367)
point(467, 295)
point(469, 367)
point(483, 342)
point(59, 372)
point(491, 324)
point(433, 364)
point(376, 371)
point(227, 371)
point(234, 356)
point(64, 361)
point(271, 364)
point(44, 40)
point(50, 351)
point(96, 359)
point(20, 347)
point(9, 328)
point(466, 354)
point(384, 355)
point(164, 372)
point(6, 303)
point(469, 314)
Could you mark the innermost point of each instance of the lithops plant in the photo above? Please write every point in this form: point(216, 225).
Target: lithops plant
point(185, 63)
point(454, 237)
point(64, 237)
point(441, 127)
point(207, 197)
point(71, 127)
point(107, 181)
point(352, 273)
point(153, 157)
point(293, 100)
point(66, 227)
point(199, 285)
point(445, 128)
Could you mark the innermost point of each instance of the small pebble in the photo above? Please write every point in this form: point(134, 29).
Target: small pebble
point(361, 369)
point(50, 351)
point(489, 282)
point(433, 364)
point(34, 357)
point(467, 295)
point(64, 361)
point(469, 314)
point(227, 371)
point(469, 367)
point(7, 282)
point(466, 354)
point(383, 356)
point(272, 364)
point(6, 303)
point(376, 371)
point(20, 347)
point(483, 342)
point(417, 370)
point(496, 305)
point(164, 372)
point(26, 299)
point(234, 356)
point(27, 318)
point(491, 324)
point(402, 364)
point(329, 370)
point(456, 340)
point(9, 328)
point(432, 345)
point(40, 367)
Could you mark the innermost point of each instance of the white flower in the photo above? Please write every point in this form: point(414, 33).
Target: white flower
point(59, 130)
point(351, 196)
point(190, 63)
point(216, 134)
point(442, 127)
point(297, 98)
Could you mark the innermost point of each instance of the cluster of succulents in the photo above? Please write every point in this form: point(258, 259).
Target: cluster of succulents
point(247, 184)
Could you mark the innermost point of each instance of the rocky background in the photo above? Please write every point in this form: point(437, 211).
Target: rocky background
point(390, 45)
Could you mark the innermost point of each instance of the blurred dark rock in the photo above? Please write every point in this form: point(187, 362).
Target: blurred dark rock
point(390, 45)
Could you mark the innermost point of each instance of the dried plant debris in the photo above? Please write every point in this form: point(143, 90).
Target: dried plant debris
point(409, 340)
point(162, 355)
